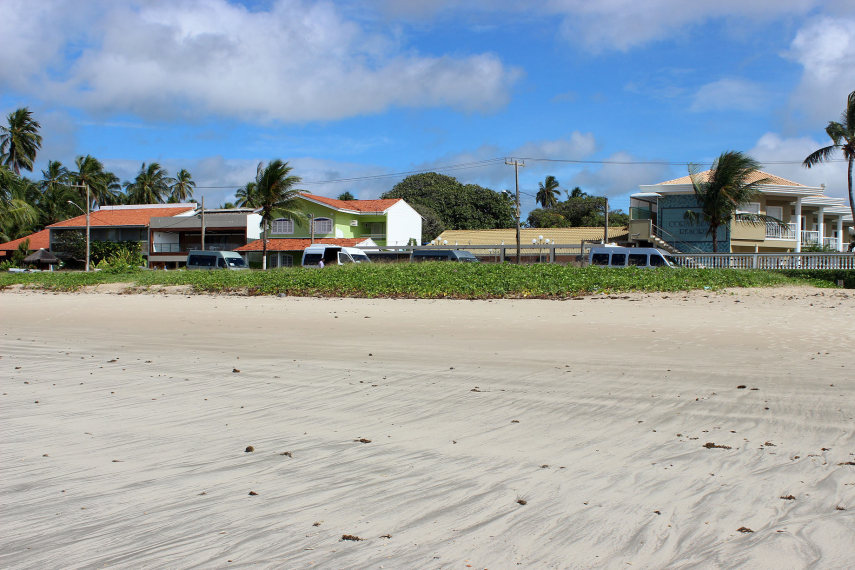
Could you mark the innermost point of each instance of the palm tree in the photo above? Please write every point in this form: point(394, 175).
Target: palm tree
point(20, 140)
point(150, 186)
point(725, 188)
point(246, 196)
point(547, 196)
point(843, 136)
point(16, 214)
point(275, 197)
point(90, 172)
point(182, 187)
point(55, 193)
point(576, 193)
point(346, 195)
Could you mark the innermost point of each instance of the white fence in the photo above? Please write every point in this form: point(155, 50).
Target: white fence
point(767, 260)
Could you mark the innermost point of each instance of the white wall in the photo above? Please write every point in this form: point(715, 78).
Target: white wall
point(164, 237)
point(402, 224)
point(253, 226)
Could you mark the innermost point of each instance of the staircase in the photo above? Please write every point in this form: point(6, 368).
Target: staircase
point(660, 243)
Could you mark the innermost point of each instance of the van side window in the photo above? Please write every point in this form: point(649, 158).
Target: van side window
point(638, 259)
point(656, 260)
point(600, 259)
point(221, 263)
point(343, 258)
point(619, 259)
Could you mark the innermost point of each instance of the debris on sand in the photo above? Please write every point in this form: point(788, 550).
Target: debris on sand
point(362, 440)
point(744, 529)
point(788, 497)
point(352, 537)
point(253, 493)
point(711, 445)
point(249, 449)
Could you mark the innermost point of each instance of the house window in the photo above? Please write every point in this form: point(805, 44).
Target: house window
point(776, 212)
point(749, 208)
point(374, 228)
point(323, 226)
point(282, 226)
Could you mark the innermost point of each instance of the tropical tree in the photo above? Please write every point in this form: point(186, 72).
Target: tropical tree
point(842, 134)
point(16, 214)
point(245, 197)
point(20, 141)
point(53, 203)
point(723, 189)
point(182, 187)
point(547, 195)
point(346, 195)
point(275, 197)
point(151, 185)
point(90, 172)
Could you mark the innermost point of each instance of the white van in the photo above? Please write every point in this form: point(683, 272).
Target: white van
point(614, 256)
point(215, 260)
point(332, 255)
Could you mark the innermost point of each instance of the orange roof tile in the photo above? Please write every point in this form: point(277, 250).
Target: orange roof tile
point(356, 205)
point(129, 217)
point(753, 177)
point(297, 244)
point(38, 241)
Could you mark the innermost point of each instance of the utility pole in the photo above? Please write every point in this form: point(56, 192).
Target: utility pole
point(606, 227)
point(203, 223)
point(516, 164)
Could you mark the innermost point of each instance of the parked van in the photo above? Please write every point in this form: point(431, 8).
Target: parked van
point(613, 256)
point(332, 255)
point(215, 260)
point(443, 255)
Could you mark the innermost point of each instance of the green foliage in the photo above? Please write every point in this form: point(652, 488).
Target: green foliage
point(20, 140)
point(577, 211)
point(70, 243)
point(832, 276)
point(456, 206)
point(548, 192)
point(122, 261)
point(151, 185)
point(346, 195)
point(121, 250)
point(430, 280)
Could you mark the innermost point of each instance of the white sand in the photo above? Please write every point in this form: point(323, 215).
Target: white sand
point(134, 454)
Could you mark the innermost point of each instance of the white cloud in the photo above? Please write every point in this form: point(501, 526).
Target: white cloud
point(730, 94)
point(772, 147)
point(825, 47)
point(298, 61)
point(619, 179)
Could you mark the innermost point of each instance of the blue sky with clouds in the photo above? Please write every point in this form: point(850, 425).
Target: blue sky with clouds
point(364, 90)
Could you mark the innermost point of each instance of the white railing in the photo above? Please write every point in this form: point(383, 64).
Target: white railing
point(767, 260)
point(833, 242)
point(777, 231)
point(810, 237)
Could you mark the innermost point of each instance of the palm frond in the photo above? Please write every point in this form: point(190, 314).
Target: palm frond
point(819, 156)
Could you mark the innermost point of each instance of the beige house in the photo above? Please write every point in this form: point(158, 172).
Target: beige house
point(811, 219)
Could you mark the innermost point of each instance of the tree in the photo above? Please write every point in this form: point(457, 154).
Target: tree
point(457, 206)
point(547, 195)
point(151, 185)
point(346, 196)
point(723, 189)
point(275, 197)
point(245, 197)
point(842, 136)
point(20, 141)
point(576, 193)
point(16, 214)
point(53, 203)
point(182, 187)
point(104, 187)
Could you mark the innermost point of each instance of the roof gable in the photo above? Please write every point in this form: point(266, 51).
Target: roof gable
point(753, 177)
point(362, 206)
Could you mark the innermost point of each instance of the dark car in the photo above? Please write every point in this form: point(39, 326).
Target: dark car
point(443, 255)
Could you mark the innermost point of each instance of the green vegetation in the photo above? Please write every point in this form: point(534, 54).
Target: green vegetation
point(430, 280)
point(578, 210)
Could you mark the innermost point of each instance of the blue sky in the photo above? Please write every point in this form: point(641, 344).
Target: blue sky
point(365, 90)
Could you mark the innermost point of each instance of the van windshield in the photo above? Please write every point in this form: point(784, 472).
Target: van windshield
point(360, 258)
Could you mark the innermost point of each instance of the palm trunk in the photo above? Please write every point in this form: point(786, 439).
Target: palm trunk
point(851, 197)
point(714, 230)
point(264, 248)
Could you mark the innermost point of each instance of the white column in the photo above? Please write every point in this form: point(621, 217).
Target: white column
point(840, 233)
point(798, 219)
point(820, 224)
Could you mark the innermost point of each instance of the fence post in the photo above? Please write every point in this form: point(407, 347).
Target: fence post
point(502, 255)
point(754, 261)
point(552, 253)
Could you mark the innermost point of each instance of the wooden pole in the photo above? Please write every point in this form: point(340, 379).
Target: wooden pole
point(203, 223)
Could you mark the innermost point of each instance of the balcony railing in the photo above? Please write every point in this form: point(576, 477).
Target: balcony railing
point(810, 238)
point(166, 247)
point(777, 231)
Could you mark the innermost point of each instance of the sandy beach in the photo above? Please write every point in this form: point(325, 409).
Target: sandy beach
point(680, 430)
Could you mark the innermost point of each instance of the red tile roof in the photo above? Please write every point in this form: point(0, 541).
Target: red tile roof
point(38, 241)
point(356, 205)
point(297, 244)
point(129, 217)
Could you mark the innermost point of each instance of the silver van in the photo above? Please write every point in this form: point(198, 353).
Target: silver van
point(215, 260)
point(332, 255)
point(419, 255)
point(613, 256)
